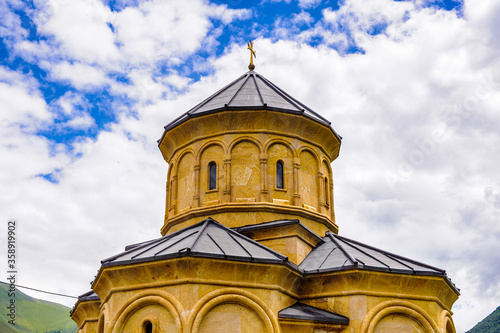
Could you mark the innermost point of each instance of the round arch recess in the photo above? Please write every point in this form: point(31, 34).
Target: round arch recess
point(239, 140)
point(101, 323)
point(141, 300)
point(379, 312)
point(209, 144)
point(232, 296)
point(175, 164)
point(446, 322)
point(288, 145)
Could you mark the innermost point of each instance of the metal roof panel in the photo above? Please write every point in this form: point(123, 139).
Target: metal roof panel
point(340, 253)
point(249, 91)
point(205, 239)
point(300, 311)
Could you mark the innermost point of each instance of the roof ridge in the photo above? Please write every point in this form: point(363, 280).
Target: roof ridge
point(281, 256)
point(209, 98)
point(326, 257)
point(344, 251)
point(393, 255)
point(244, 249)
point(200, 232)
point(285, 96)
point(293, 100)
point(258, 90)
point(357, 247)
point(151, 242)
point(237, 91)
point(174, 243)
point(216, 244)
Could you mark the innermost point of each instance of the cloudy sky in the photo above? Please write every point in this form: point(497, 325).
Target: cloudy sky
point(412, 86)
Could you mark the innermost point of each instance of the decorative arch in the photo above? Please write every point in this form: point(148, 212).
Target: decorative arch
point(446, 322)
point(285, 143)
point(245, 170)
point(169, 198)
point(245, 138)
point(280, 151)
point(101, 323)
point(325, 163)
point(206, 145)
point(310, 150)
point(232, 296)
point(181, 155)
point(309, 179)
point(184, 180)
point(147, 298)
point(382, 310)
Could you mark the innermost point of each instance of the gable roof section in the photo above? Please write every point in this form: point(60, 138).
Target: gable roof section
point(208, 239)
point(340, 253)
point(251, 91)
point(88, 296)
point(300, 311)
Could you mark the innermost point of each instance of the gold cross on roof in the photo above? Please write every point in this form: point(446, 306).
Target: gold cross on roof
point(252, 54)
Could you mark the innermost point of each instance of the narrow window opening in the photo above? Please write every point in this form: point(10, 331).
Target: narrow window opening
point(148, 327)
point(279, 175)
point(326, 191)
point(212, 176)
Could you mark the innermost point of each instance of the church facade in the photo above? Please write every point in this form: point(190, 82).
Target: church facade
point(250, 242)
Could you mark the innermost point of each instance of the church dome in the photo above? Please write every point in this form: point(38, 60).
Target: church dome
point(250, 147)
point(251, 91)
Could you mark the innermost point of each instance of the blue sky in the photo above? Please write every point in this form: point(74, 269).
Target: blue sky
point(412, 86)
point(263, 19)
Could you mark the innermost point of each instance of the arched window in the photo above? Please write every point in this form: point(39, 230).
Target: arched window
point(326, 191)
point(279, 175)
point(212, 176)
point(148, 327)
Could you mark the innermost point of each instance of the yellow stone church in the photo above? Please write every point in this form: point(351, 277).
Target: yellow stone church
point(250, 243)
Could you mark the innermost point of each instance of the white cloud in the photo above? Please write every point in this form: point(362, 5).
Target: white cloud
point(21, 104)
point(80, 75)
point(227, 15)
point(68, 102)
point(302, 17)
point(81, 122)
point(89, 32)
point(156, 30)
point(81, 29)
point(309, 3)
point(76, 220)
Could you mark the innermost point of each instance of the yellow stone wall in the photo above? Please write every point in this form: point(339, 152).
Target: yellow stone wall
point(209, 295)
point(246, 146)
point(86, 316)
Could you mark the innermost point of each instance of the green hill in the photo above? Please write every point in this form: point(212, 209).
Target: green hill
point(34, 315)
point(490, 324)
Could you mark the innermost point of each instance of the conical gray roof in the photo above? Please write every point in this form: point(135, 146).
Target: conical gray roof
point(340, 253)
point(208, 239)
point(251, 91)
